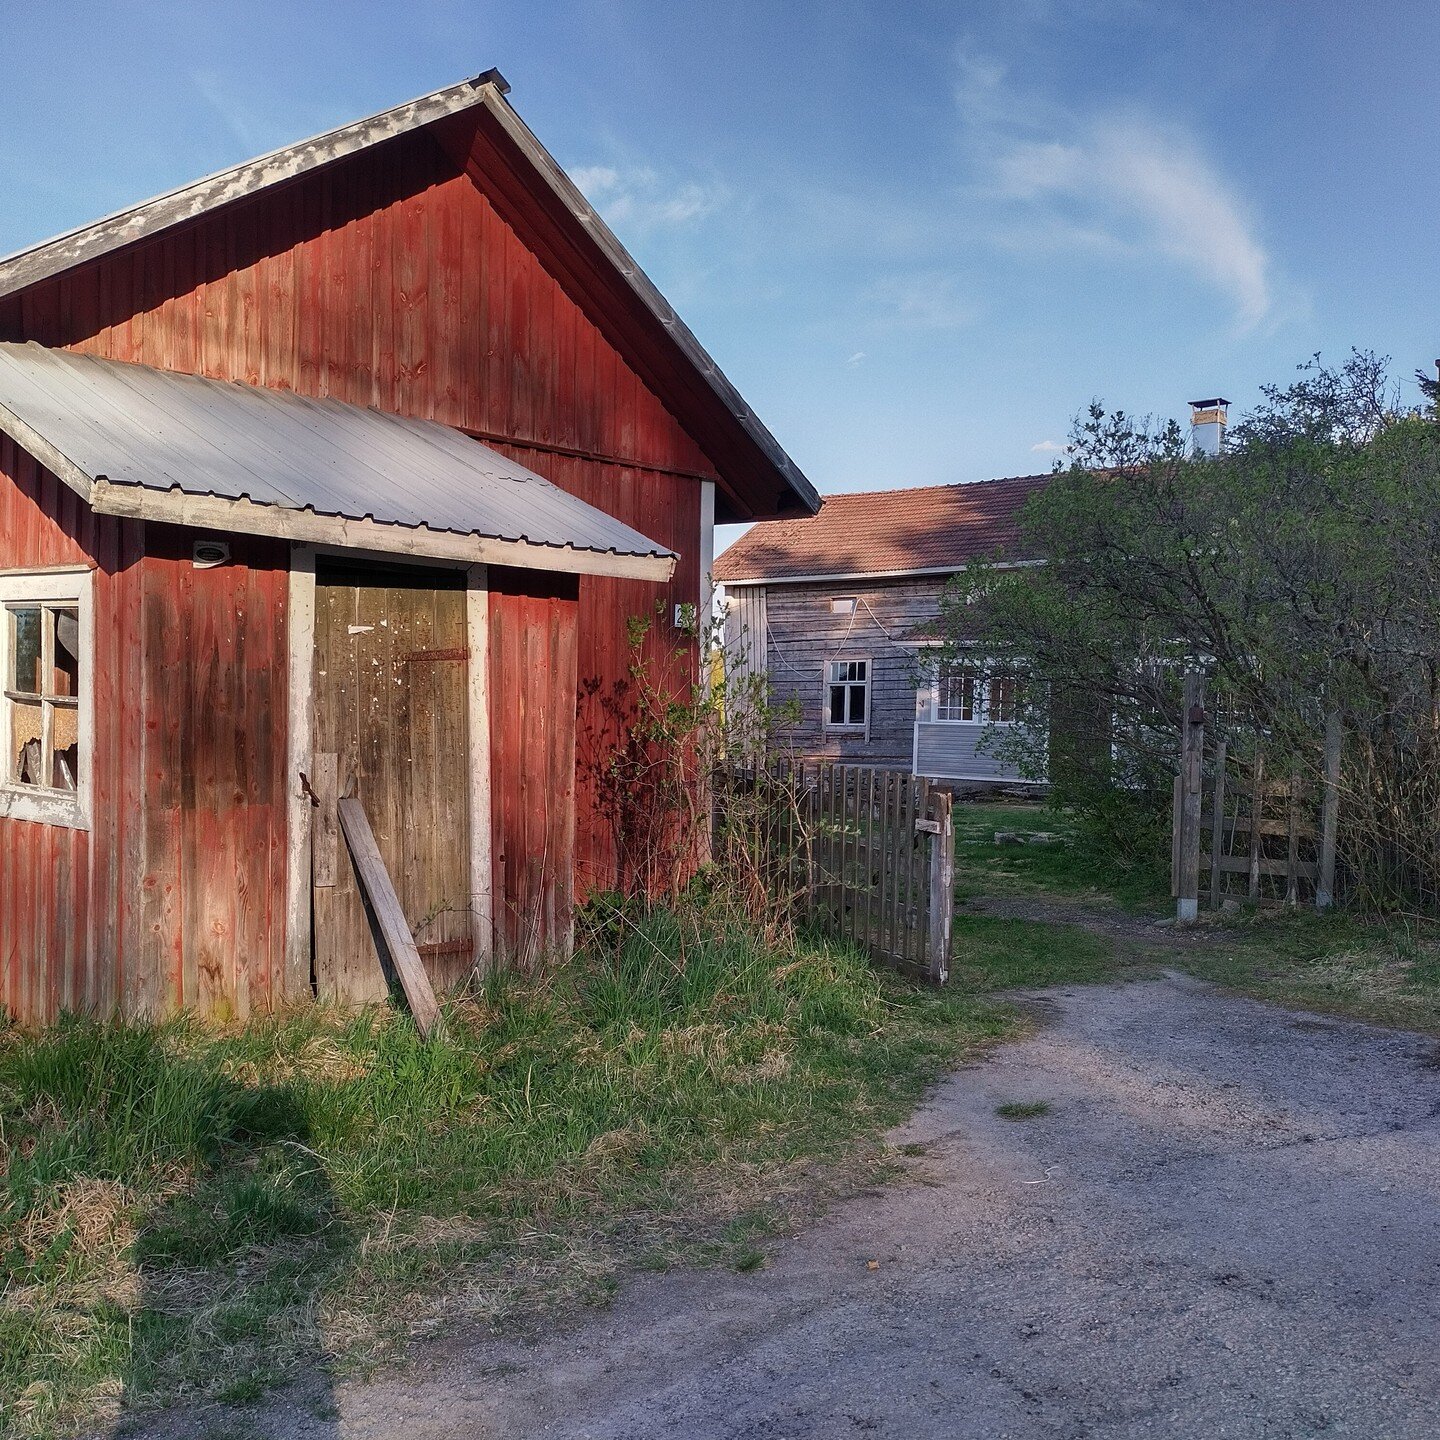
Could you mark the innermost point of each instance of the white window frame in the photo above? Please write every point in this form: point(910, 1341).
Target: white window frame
point(65, 586)
point(981, 710)
point(847, 727)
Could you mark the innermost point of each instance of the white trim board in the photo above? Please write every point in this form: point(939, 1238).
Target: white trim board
point(482, 879)
point(299, 746)
point(69, 585)
point(210, 512)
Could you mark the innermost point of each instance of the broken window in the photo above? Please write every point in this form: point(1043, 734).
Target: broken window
point(43, 668)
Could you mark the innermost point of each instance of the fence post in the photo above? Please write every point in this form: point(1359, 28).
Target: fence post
point(1217, 825)
point(1257, 813)
point(1329, 813)
point(1192, 751)
point(942, 885)
point(1292, 839)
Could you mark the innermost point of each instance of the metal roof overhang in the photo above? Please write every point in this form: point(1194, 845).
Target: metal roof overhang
point(158, 445)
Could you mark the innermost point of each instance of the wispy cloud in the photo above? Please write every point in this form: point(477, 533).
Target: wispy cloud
point(1049, 447)
point(1121, 181)
point(233, 109)
point(928, 300)
point(855, 359)
point(641, 199)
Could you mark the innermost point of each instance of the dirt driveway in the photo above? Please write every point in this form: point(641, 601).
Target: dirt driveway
point(1228, 1224)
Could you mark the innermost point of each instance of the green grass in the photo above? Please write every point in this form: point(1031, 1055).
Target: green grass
point(1365, 967)
point(994, 953)
point(1023, 1109)
point(1386, 971)
point(188, 1213)
point(1065, 867)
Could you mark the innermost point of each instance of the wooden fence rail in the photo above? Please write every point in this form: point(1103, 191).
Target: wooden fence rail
point(1240, 833)
point(868, 855)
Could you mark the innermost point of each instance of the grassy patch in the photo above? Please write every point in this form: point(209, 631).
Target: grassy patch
point(1387, 972)
point(995, 953)
point(188, 1213)
point(1064, 866)
point(1023, 1109)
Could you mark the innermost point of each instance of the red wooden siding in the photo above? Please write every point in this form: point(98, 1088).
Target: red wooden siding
point(175, 894)
point(215, 715)
point(68, 922)
point(533, 635)
point(390, 279)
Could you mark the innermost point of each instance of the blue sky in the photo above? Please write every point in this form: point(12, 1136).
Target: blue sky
point(918, 236)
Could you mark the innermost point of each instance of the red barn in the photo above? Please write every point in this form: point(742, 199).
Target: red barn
point(342, 468)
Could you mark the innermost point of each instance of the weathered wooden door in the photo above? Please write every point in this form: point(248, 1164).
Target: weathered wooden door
point(391, 683)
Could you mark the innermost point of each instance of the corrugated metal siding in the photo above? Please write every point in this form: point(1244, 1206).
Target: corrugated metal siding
point(161, 431)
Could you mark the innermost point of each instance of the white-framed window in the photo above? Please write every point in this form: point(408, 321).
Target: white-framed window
point(847, 694)
point(964, 694)
point(46, 696)
point(957, 693)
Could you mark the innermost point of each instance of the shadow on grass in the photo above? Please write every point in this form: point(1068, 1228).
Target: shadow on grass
point(161, 1219)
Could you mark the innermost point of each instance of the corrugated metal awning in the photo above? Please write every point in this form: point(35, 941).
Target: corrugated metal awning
point(165, 446)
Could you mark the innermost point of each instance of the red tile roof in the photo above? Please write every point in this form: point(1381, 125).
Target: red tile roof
point(937, 527)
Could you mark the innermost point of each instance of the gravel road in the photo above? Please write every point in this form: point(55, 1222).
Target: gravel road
point(1227, 1224)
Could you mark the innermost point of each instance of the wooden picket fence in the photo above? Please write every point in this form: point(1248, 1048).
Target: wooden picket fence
point(1243, 833)
point(867, 854)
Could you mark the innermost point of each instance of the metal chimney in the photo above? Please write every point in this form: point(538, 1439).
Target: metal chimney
point(1207, 425)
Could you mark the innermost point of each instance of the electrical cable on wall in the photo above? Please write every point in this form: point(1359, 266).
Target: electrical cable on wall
point(774, 648)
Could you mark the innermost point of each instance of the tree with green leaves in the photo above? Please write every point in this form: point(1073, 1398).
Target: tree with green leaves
point(1300, 569)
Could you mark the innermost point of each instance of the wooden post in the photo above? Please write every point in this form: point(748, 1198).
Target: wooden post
point(384, 904)
point(942, 884)
point(1217, 826)
point(1187, 898)
point(1257, 811)
point(1177, 807)
point(1292, 839)
point(1329, 813)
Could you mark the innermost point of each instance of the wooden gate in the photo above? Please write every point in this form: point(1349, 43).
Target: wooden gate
point(864, 853)
point(1246, 828)
point(391, 681)
point(884, 865)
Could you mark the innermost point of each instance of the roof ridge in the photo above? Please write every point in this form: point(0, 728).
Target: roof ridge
point(485, 92)
point(432, 98)
point(932, 489)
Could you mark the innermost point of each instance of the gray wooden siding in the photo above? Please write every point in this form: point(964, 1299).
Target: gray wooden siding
point(802, 635)
point(745, 627)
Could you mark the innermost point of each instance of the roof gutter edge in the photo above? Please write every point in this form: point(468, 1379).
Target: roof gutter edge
point(921, 573)
point(248, 517)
